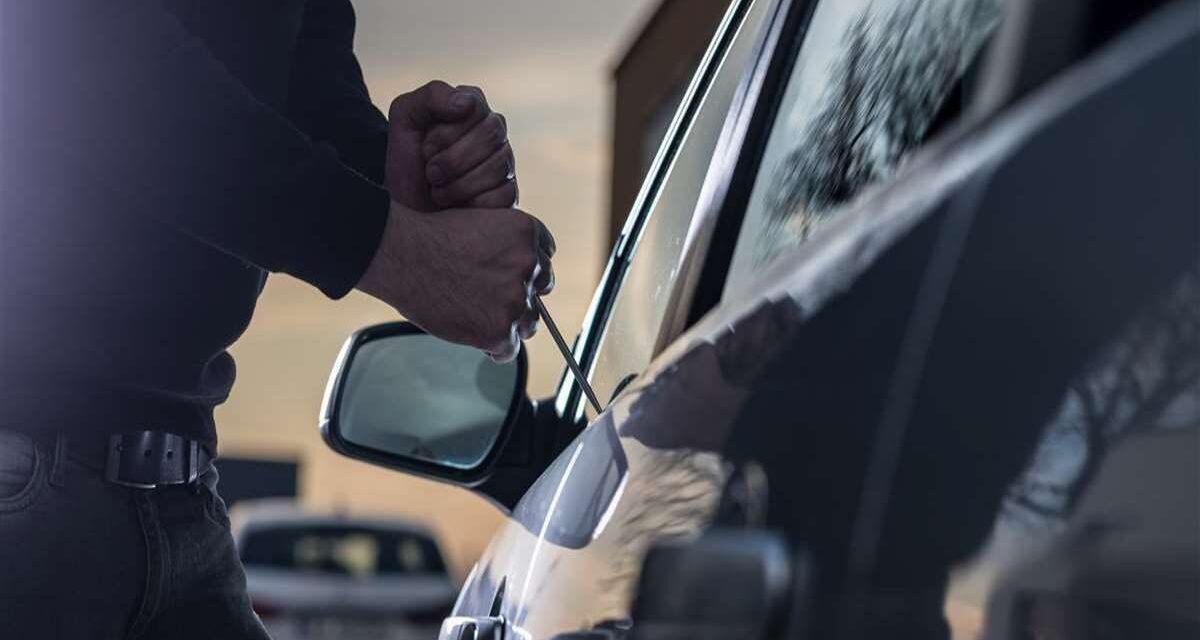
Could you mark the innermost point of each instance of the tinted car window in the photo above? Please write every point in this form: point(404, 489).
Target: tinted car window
point(342, 550)
point(869, 82)
point(641, 302)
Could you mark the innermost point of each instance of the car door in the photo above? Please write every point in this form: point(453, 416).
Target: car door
point(569, 558)
point(990, 430)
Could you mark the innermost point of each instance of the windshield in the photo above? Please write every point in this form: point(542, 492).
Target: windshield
point(343, 550)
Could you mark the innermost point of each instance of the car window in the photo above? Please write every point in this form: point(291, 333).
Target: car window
point(342, 550)
point(628, 341)
point(869, 83)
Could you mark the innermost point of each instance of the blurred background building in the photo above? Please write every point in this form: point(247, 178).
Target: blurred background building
point(648, 83)
point(548, 65)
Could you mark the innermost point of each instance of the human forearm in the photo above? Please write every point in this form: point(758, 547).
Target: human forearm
point(327, 96)
point(127, 105)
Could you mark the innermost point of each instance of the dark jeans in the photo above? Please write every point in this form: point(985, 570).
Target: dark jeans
point(81, 558)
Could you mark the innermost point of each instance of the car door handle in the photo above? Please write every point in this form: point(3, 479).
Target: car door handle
point(472, 628)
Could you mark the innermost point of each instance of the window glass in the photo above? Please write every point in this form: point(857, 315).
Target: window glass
point(342, 550)
point(641, 302)
point(869, 82)
point(1110, 499)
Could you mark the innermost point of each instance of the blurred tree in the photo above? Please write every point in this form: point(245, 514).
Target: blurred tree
point(891, 80)
point(1148, 379)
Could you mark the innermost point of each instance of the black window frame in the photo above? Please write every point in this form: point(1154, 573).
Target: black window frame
point(744, 112)
point(719, 217)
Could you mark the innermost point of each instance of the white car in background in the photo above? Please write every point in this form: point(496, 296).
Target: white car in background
point(313, 576)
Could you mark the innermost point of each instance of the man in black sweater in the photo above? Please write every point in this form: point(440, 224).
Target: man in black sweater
point(157, 159)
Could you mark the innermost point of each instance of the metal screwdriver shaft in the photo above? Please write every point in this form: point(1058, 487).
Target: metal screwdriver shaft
point(566, 352)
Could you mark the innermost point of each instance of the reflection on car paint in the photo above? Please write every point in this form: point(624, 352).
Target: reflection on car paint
point(670, 427)
point(1123, 565)
point(1062, 518)
point(591, 471)
point(693, 402)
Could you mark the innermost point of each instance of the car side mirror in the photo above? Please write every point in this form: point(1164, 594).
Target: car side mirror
point(403, 399)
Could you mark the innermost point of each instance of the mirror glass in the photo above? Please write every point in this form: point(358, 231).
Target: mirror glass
point(420, 397)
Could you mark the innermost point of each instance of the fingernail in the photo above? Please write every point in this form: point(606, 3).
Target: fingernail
point(435, 174)
point(461, 102)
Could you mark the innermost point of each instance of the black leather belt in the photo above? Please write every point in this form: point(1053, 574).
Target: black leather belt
point(141, 459)
point(149, 459)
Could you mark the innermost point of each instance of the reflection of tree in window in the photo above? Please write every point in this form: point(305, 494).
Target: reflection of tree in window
point(884, 92)
point(1149, 379)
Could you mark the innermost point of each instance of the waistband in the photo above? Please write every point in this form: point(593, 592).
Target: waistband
point(140, 459)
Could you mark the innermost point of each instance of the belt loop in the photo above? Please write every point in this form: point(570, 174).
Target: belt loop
point(60, 458)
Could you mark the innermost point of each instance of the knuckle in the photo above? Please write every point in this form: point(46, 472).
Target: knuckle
point(449, 163)
point(492, 200)
point(527, 328)
point(476, 103)
point(497, 126)
point(514, 311)
point(398, 103)
point(486, 201)
point(523, 224)
point(436, 85)
point(436, 167)
point(514, 307)
point(438, 138)
point(499, 163)
point(504, 196)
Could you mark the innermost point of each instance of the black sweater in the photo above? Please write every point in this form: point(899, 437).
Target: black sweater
point(157, 159)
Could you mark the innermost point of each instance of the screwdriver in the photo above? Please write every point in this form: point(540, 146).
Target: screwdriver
point(566, 352)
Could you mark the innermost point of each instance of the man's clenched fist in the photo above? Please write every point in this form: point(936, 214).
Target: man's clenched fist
point(464, 275)
point(447, 148)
